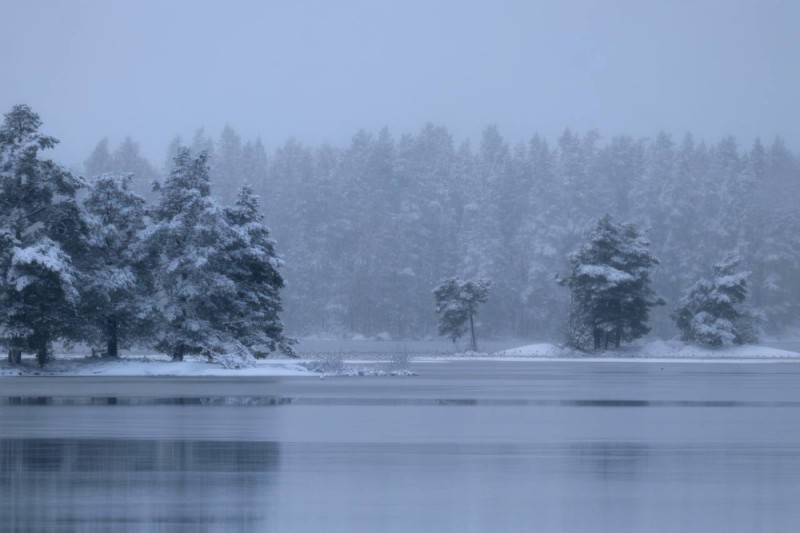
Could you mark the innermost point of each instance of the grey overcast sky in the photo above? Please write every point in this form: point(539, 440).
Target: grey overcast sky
point(319, 71)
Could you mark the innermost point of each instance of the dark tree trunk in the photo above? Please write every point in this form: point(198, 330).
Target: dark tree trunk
point(42, 351)
point(177, 355)
point(112, 349)
point(472, 330)
point(15, 356)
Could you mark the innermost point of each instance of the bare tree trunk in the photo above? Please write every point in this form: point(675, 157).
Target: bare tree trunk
point(472, 329)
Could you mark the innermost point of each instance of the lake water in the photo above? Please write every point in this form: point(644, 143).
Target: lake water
point(465, 446)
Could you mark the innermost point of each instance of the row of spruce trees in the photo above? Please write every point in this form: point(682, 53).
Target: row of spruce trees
point(93, 263)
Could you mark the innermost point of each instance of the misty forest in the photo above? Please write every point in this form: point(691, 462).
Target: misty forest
point(367, 230)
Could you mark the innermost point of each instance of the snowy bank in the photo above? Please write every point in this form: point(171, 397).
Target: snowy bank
point(144, 367)
point(652, 350)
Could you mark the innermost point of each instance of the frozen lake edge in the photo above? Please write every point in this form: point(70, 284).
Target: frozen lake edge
point(371, 362)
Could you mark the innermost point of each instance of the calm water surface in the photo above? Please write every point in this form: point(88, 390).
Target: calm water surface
point(465, 446)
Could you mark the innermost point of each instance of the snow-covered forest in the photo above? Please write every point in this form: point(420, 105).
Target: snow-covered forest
point(88, 261)
point(368, 229)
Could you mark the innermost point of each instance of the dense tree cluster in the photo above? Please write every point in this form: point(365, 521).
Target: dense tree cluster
point(610, 290)
point(93, 263)
point(368, 229)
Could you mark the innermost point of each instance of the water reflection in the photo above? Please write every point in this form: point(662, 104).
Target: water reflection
point(259, 401)
point(108, 485)
point(174, 485)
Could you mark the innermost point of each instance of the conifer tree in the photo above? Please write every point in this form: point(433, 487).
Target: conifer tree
point(42, 230)
point(117, 291)
point(714, 311)
point(457, 304)
point(254, 265)
point(609, 281)
point(217, 275)
point(188, 236)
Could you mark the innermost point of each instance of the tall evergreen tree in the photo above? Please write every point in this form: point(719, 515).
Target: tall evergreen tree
point(217, 275)
point(609, 281)
point(42, 230)
point(118, 286)
point(254, 268)
point(189, 236)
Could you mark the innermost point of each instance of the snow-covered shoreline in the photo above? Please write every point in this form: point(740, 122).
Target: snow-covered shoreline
point(139, 367)
point(359, 364)
point(660, 350)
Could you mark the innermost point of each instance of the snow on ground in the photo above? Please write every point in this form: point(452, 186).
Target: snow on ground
point(662, 350)
point(390, 360)
point(146, 367)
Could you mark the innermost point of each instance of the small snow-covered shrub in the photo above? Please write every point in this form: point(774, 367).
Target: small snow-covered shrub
point(398, 361)
point(328, 364)
point(332, 364)
point(235, 361)
point(399, 364)
point(234, 356)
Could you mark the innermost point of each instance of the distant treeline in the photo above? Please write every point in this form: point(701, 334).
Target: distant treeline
point(369, 229)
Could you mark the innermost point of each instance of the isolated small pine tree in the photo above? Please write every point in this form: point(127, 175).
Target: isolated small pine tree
point(457, 304)
point(714, 311)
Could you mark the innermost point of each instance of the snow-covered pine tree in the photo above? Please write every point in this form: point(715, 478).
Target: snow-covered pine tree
point(610, 284)
point(117, 290)
point(42, 230)
point(190, 233)
point(253, 266)
point(457, 304)
point(714, 311)
point(217, 277)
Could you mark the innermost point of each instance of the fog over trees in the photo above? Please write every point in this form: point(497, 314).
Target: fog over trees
point(368, 229)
